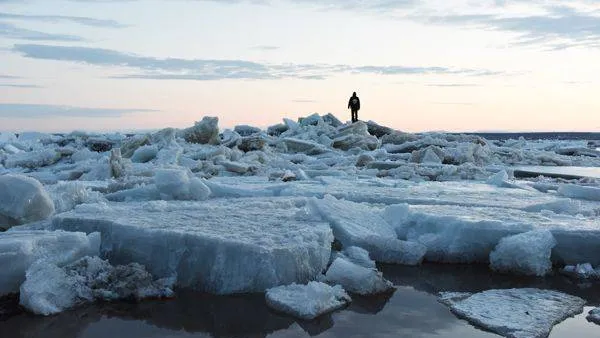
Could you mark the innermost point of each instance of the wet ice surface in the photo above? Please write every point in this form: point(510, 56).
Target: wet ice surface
point(411, 311)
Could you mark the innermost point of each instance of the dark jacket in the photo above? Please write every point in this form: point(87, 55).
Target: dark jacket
point(354, 103)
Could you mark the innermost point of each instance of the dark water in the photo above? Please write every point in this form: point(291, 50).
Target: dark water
point(411, 311)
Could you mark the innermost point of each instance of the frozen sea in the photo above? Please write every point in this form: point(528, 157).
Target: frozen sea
point(209, 232)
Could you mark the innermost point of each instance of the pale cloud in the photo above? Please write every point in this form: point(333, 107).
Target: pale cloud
point(17, 110)
point(554, 26)
point(13, 32)
point(208, 69)
point(61, 18)
point(16, 85)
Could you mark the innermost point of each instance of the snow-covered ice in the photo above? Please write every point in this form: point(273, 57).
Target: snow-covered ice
point(359, 256)
point(33, 159)
point(389, 192)
point(245, 210)
point(144, 154)
point(205, 131)
point(169, 184)
point(522, 313)
point(359, 225)
point(20, 249)
point(357, 279)
point(499, 179)
point(66, 195)
point(307, 301)
point(22, 200)
point(180, 185)
point(578, 191)
point(219, 246)
point(50, 289)
point(456, 234)
point(527, 253)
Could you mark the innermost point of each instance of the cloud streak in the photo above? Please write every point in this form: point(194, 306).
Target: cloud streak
point(369, 5)
point(559, 24)
point(31, 111)
point(560, 28)
point(13, 32)
point(62, 18)
point(145, 67)
point(14, 85)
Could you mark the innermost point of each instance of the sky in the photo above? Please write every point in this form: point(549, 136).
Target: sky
point(432, 65)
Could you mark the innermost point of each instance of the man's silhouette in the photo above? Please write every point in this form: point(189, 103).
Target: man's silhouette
point(354, 106)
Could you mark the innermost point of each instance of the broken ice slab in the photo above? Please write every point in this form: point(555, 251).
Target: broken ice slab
point(20, 249)
point(399, 191)
point(457, 234)
point(219, 246)
point(307, 301)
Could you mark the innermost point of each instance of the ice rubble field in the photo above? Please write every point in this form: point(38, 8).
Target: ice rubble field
point(250, 210)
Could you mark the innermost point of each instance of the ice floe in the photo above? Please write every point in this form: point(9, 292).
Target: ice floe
point(220, 246)
point(519, 313)
point(307, 301)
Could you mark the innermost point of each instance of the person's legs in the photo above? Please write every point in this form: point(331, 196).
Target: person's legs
point(354, 116)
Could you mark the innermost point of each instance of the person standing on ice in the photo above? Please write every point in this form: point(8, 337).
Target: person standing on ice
point(354, 106)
